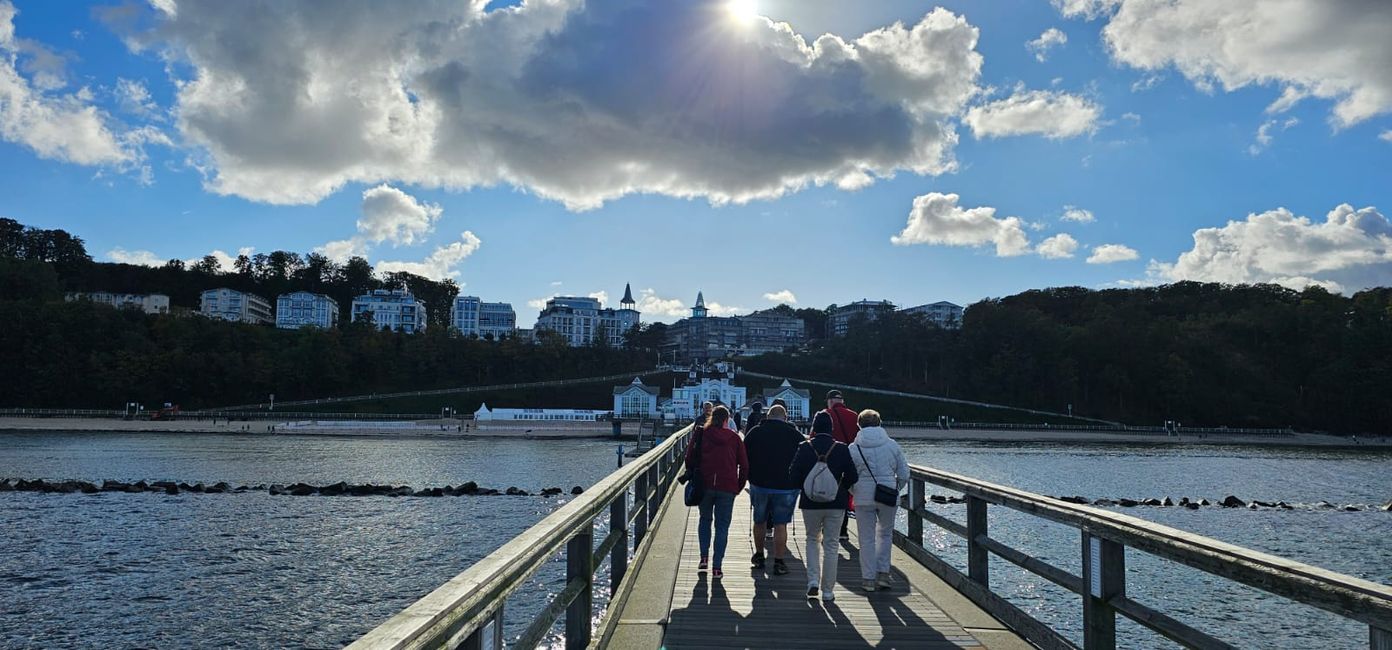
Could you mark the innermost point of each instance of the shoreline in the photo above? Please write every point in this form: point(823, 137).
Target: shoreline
point(555, 431)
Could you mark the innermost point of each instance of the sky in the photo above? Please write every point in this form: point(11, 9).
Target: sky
point(807, 152)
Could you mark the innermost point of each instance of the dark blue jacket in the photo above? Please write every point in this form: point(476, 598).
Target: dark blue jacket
point(839, 461)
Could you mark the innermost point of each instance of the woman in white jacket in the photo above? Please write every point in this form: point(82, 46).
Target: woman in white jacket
point(878, 460)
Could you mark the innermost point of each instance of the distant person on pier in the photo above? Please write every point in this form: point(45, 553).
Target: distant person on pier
point(816, 458)
point(771, 446)
point(704, 417)
point(756, 413)
point(845, 426)
point(883, 473)
point(724, 470)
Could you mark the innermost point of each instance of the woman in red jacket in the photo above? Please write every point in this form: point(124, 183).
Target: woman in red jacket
point(724, 468)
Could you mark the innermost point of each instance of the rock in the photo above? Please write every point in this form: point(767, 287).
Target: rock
point(260, 487)
point(302, 490)
point(334, 490)
point(138, 486)
point(221, 486)
point(1264, 504)
point(1204, 502)
point(1231, 501)
point(277, 489)
point(469, 488)
point(577, 490)
point(67, 487)
point(1127, 503)
point(550, 492)
point(488, 492)
point(1352, 508)
point(437, 492)
point(1386, 507)
point(1325, 505)
point(361, 490)
point(1077, 500)
point(87, 488)
point(171, 489)
point(241, 488)
point(1104, 502)
point(1151, 502)
point(198, 487)
point(938, 498)
point(1284, 506)
point(1167, 502)
point(1251, 506)
point(5, 486)
point(163, 485)
point(449, 490)
point(1184, 502)
point(403, 491)
point(218, 488)
point(113, 486)
point(1192, 506)
point(513, 492)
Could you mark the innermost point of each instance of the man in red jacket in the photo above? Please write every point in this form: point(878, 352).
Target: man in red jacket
point(845, 425)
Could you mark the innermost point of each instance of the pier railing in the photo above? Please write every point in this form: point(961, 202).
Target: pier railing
point(1105, 538)
point(467, 611)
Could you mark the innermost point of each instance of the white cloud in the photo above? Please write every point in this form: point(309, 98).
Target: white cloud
point(602, 296)
point(1060, 246)
point(659, 308)
point(937, 219)
point(1112, 253)
point(1133, 118)
point(1238, 43)
point(1077, 214)
point(717, 309)
point(342, 249)
point(784, 296)
point(1264, 136)
point(441, 263)
point(540, 303)
point(140, 257)
point(134, 98)
point(389, 214)
point(1051, 38)
point(576, 102)
point(1386, 136)
point(1350, 249)
point(1052, 114)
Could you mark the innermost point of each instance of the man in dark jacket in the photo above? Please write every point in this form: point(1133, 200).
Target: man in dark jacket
point(845, 424)
point(823, 520)
point(771, 446)
point(756, 415)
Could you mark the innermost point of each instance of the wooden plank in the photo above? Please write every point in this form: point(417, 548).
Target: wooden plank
point(978, 559)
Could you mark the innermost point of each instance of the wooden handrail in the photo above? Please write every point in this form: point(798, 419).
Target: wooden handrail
point(469, 605)
point(1106, 534)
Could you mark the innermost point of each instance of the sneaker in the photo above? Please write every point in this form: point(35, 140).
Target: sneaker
point(758, 560)
point(868, 585)
point(717, 574)
point(779, 568)
point(812, 592)
point(701, 568)
point(828, 597)
point(883, 580)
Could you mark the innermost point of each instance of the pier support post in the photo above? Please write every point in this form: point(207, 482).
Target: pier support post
point(1379, 639)
point(580, 565)
point(1104, 578)
point(916, 503)
point(978, 558)
point(618, 556)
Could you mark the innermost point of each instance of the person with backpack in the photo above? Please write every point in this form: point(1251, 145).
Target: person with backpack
point(883, 473)
point(824, 469)
point(717, 458)
point(771, 447)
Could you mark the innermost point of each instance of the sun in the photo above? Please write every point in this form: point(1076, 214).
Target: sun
point(742, 10)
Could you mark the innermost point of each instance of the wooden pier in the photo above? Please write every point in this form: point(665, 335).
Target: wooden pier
point(658, 600)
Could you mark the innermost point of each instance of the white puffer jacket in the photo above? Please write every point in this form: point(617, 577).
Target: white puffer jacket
point(884, 459)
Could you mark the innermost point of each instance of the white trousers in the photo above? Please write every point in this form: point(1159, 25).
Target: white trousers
point(875, 524)
point(823, 534)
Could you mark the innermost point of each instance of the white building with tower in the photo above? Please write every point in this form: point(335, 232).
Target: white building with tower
point(706, 385)
point(798, 401)
point(236, 306)
point(579, 319)
point(305, 309)
point(395, 309)
point(470, 316)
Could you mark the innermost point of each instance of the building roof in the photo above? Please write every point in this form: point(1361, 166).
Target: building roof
point(636, 383)
point(700, 300)
point(628, 294)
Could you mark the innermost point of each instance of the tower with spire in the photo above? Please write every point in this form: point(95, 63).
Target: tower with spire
point(699, 311)
point(628, 302)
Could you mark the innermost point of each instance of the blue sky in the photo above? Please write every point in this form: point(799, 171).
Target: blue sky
point(687, 153)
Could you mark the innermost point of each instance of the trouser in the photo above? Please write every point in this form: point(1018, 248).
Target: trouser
point(875, 524)
point(822, 527)
point(716, 508)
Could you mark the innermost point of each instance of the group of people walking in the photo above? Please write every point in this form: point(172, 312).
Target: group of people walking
point(848, 464)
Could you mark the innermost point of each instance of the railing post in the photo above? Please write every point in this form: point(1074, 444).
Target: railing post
point(916, 503)
point(1104, 578)
point(489, 636)
point(655, 482)
point(580, 564)
point(1379, 639)
point(618, 556)
point(978, 558)
point(640, 503)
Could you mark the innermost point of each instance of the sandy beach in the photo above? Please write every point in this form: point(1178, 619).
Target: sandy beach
point(549, 430)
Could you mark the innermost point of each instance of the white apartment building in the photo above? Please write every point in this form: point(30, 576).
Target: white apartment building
point(473, 317)
point(945, 314)
point(235, 306)
point(579, 318)
point(305, 309)
point(840, 321)
point(394, 309)
point(152, 303)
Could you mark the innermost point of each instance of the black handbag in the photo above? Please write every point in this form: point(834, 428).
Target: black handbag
point(695, 485)
point(883, 493)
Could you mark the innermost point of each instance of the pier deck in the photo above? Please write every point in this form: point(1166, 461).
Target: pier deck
point(673, 606)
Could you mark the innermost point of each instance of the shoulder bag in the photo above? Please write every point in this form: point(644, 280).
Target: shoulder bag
point(883, 493)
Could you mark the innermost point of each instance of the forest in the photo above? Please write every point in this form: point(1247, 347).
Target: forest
point(1200, 354)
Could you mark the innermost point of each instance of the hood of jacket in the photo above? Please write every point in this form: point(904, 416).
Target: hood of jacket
point(871, 437)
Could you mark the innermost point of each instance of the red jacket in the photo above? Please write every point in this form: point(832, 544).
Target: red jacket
point(724, 465)
point(845, 423)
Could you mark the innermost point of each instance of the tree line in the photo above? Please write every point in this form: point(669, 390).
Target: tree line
point(83, 355)
point(1199, 353)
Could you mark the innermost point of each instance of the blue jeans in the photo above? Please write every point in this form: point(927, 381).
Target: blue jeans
point(716, 508)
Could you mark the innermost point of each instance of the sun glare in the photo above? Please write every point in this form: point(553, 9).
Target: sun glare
point(742, 10)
